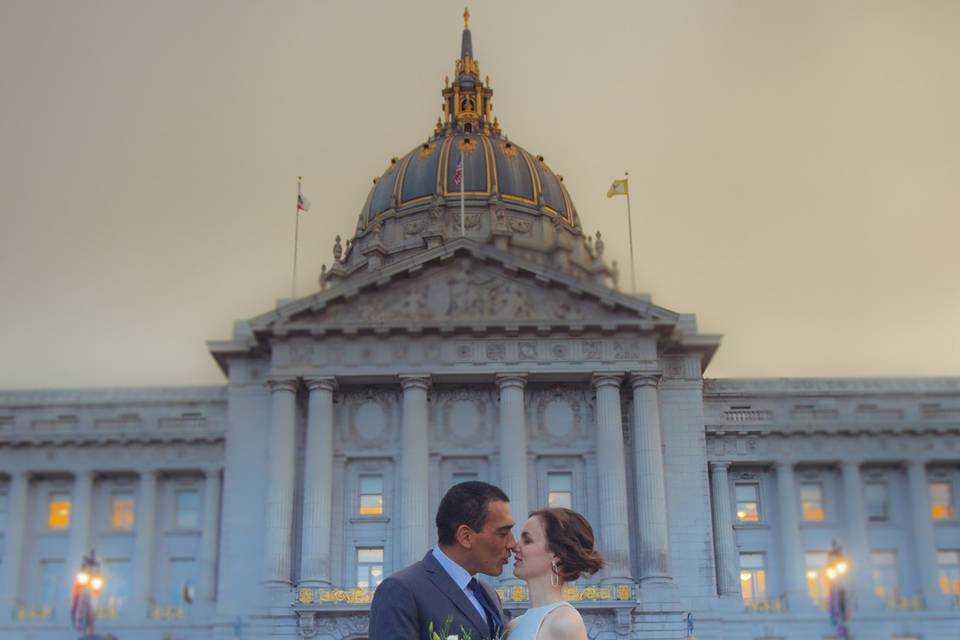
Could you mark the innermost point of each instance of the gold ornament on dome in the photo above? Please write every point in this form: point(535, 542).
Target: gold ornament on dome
point(509, 149)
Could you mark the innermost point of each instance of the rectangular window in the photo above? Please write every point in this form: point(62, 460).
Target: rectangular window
point(878, 505)
point(753, 577)
point(116, 584)
point(885, 574)
point(121, 510)
point(181, 574)
point(369, 566)
point(560, 490)
point(51, 582)
point(371, 495)
point(58, 510)
point(748, 502)
point(815, 562)
point(811, 501)
point(941, 500)
point(4, 506)
point(187, 505)
point(948, 564)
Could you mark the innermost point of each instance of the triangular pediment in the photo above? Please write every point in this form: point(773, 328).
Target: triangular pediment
point(466, 288)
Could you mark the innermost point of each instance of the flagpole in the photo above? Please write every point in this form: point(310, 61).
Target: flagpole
point(633, 269)
point(296, 235)
point(463, 182)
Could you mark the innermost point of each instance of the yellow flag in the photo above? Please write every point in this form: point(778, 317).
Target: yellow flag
point(618, 188)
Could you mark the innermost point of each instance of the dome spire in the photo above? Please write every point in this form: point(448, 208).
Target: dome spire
point(467, 102)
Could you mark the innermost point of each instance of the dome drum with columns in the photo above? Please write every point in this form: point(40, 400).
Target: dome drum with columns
point(511, 197)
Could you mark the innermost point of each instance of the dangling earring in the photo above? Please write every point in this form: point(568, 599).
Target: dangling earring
point(555, 574)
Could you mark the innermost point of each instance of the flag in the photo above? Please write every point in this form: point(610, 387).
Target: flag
point(302, 203)
point(458, 174)
point(618, 188)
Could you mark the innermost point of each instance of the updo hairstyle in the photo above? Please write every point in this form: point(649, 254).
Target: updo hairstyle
point(570, 537)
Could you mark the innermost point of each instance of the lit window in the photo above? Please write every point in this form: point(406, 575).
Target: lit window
point(180, 577)
point(753, 577)
point(58, 511)
point(116, 583)
point(371, 495)
point(877, 501)
point(4, 505)
point(369, 566)
point(948, 564)
point(885, 574)
point(121, 510)
point(815, 561)
point(559, 490)
point(748, 502)
point(187, 504)
point(811, 501)
point(51, 582)
point(941, 501)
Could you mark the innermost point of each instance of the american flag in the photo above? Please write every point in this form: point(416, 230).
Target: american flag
point(458, 174)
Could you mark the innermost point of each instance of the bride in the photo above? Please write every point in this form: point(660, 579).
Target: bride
point(555, 547)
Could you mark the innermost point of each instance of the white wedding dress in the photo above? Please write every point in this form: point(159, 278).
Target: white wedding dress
point(528, 625)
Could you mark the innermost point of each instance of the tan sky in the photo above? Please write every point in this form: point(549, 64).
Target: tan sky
point(794, 166)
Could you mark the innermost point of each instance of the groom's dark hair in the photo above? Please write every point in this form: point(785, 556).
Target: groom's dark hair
point(465, 503)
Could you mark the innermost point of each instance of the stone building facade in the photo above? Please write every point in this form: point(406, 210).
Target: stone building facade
point(471, 329)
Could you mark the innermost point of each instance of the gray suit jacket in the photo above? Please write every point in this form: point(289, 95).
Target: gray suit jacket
point(407, 602)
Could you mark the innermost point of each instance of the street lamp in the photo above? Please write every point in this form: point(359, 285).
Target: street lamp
point(837, 566)
point(86, 589)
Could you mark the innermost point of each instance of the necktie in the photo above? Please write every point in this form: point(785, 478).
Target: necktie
point(493, 618)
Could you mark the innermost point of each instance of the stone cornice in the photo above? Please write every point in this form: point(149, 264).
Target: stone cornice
point(166, 396)
point(829, 387)
point(806, 430)
point(90, 438)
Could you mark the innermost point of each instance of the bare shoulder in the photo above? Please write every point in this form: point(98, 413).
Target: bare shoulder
point(563, 623)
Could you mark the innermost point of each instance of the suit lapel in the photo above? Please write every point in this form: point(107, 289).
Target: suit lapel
point(442, 581)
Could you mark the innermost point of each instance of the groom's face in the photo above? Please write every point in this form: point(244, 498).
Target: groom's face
point(494, 542)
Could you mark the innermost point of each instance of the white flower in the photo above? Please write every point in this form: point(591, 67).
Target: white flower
point(453, 637)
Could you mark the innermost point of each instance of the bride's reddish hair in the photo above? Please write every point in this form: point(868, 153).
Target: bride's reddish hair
point(570, 537)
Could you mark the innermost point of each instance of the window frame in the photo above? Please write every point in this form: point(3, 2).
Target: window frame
point(881, 569)
point(360, 495)
point(757, 576)
point(951, 515)
point(178, 491)
point(50, 505)
point(560, 473)
point(758, 503)
point(886, 500)
point(820, 579)
point(358, 565)
point(130, 495)
point(950, 572)
point(819, 485)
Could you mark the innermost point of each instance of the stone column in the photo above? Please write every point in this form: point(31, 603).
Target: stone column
point(414, 471)
point(81, 507)
point(318, 484)
point(280, 481)
point(793, 559)
point(655, 573)
point(13, 541)
point(146, 518)
point(923, 536)
point(513, 444)
point(723, 541)
point(210, 540)
point(612, 476)
point(858, 539)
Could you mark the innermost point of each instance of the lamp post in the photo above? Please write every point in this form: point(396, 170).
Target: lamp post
point(86, 589)
point(836, 568)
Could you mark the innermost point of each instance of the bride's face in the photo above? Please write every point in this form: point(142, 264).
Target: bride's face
point(532, 559)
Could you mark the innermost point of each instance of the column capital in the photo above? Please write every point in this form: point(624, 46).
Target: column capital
point(720, 465)
point(781, 466)
point(212, 470)
point(916, 464)
point(414, 381)
point(327, 383)
point(283, 384)
point(644, 379)
point(607, 379)
point(851, 464)
point(505, 380)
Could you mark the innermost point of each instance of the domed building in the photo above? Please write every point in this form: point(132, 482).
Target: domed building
point(470, 329)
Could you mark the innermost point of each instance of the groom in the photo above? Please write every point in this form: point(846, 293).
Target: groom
point(474, 532)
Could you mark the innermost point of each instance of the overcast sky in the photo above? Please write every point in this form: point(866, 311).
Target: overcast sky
point(795, 166)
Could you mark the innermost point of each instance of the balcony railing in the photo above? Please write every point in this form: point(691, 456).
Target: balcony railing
point(34, 613)
point(778, 605)
point(510, 596)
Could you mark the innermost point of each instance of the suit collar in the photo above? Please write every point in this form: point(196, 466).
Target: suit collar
point(442, 580)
